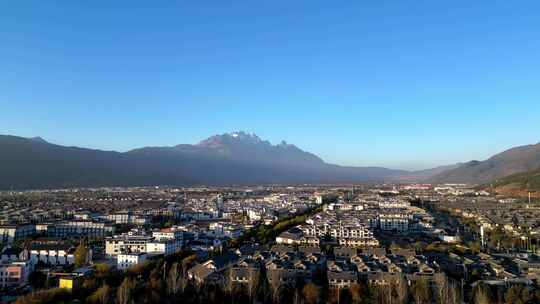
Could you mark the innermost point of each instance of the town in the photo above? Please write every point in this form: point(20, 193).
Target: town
point(386, 243)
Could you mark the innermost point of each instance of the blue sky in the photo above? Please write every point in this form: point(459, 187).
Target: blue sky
point(402, 84)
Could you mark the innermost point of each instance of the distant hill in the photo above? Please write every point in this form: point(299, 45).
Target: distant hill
point(518, 184)
point(512, 161)
point(425, 175)
point(233, 158)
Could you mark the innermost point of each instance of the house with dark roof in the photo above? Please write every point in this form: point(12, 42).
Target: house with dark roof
point(212, 269)
point(342, 279)
point(10, 254)
point(377, 252)
point(345, 252)
point(291, 236)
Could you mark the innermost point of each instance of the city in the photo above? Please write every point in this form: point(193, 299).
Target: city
point(269, 152)
point(431, 243)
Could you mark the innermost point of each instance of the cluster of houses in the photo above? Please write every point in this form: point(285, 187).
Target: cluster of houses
point(352, 223)
point(288, 265)
point(520, 219)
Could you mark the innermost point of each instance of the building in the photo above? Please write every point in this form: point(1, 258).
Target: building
point(209, 270)
point(394, 221)
point(126, 244)
point(11, 233)
point(9, 254)
point(79, 228)
point(53, 254)
point(165, 247)
point(14, 274)
point(69, 282)
point(291, 236)
point(128, 260)
point(127, 217)
point(168, 234)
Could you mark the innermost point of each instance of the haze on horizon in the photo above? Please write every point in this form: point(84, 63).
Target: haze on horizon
point(399, 85)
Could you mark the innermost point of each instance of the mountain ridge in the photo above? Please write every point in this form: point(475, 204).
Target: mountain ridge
point(219, 160)
point(511, 161)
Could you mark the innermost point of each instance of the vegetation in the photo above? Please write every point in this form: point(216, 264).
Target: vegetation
point(81, 255)
point(519, 183)
point(264, 234)
point(51, 296)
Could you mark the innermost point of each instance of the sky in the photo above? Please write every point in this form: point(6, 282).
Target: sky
point(401, 84)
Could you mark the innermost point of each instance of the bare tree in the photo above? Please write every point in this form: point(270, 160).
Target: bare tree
point(253, 282)
point(446, 290)
point(125, 292)
point(101, 295)
point(276, 285)
point(421, 291)
point(482, 294)
point(401, 289)
point(311, 293)
point(174, 279)
point(357, 293)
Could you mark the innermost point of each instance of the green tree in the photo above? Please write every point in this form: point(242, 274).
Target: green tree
point(81, 255)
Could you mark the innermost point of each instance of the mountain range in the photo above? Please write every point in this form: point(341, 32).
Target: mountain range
point(512, 161)
point(236, 158)
point(232, 158)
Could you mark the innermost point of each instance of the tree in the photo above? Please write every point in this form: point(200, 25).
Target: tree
point(55, 295)
point(518, 295)
point(358, 292)
point(421, 292)
point(154, 289)
point(174, 280)
point(442, 289)
point(101, 296)
point(275, 285)
point(311, 293)
point(81, 255)
point(102, 270)
point(125, 292)
point(401, 289)
point(254, 281)
point(482, 294)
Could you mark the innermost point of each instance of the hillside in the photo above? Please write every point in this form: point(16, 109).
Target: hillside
point(512, 161)
point(518, 184)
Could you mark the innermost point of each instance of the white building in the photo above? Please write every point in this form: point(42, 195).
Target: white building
point(394, 221)
point(126, 244)
point(168, 234)
point(226, 230)
point(128, 260)
point(165, 247)
point(53, 254)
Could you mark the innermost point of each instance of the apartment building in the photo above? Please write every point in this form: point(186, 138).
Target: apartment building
point(79, 228)
point(14, 274)
point(11, 233)
point(128, 260)
point(126, 244)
